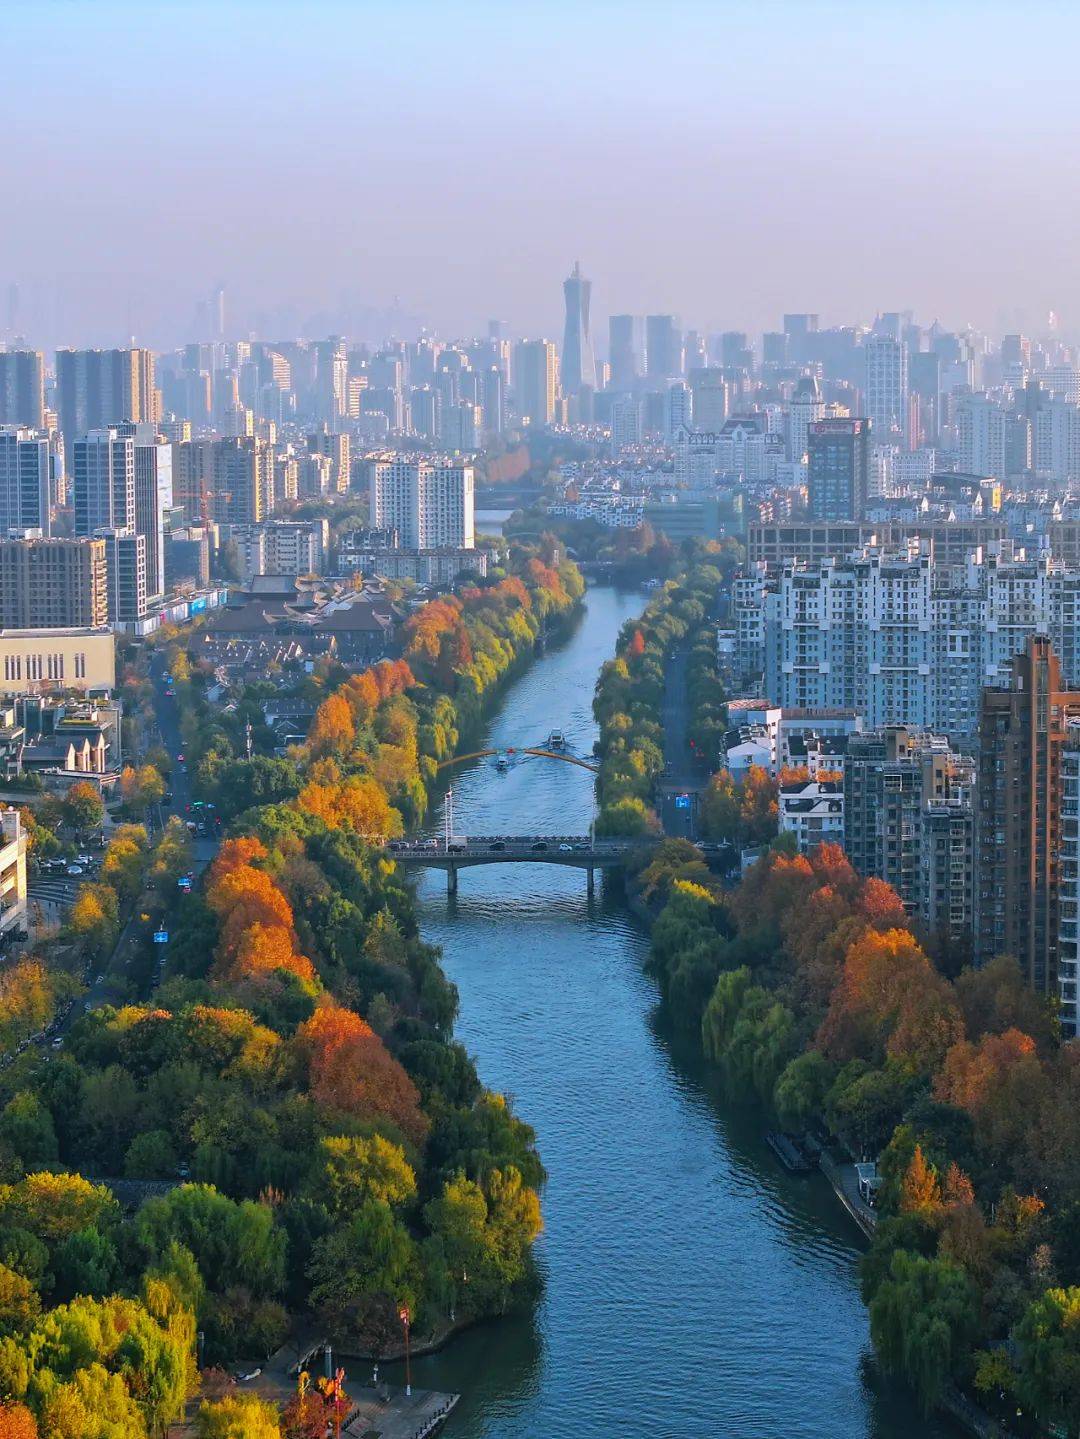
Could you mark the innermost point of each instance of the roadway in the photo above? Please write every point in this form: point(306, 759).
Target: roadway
point(680, 785)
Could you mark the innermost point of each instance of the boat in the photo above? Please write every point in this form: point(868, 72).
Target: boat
point(556, 740)
point(502, 764)
point(790, 1152)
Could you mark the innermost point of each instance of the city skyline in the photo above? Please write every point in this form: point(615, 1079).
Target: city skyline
point(765, 171)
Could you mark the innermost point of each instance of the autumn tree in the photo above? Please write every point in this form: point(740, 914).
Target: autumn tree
point(351, 1071)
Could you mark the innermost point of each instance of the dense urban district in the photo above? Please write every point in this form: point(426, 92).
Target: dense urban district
point(257, 600)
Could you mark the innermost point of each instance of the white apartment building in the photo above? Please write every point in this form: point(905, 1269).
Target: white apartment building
point(428, 500)
point(980, 426)
point(282, 547)
point(886, 388)
point(902, 641)
point(813, 811)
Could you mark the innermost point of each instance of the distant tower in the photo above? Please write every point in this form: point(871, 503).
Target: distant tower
point(578, 365)
point(217, 309)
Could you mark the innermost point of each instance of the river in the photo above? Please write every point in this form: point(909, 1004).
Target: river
point(690, 1287)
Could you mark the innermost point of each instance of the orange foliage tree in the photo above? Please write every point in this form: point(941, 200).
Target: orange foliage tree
point(351, 1071)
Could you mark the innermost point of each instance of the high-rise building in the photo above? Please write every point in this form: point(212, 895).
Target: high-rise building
point(677, 408)
point(1022, 734)
point(536, 381)
point(578, 364)
point(905, 791)
point(626, 348)
point(24, 480)
point(493, 399)
point(980, 427)
point(99, 388)
point(325, 441)
point(805, 409)
point(710, 398)
point(625, 423)
point(1069, 883)
point(22, 388)
point(887, 388)
point(838, 468)
point(193, 479)
point(153, 496)
point(243, 480)
point(53, 584)
point(428, 500)
point(663, 347)
point(103, 481)
point(125, 570)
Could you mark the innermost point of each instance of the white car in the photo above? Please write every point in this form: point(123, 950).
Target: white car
point(74, 869)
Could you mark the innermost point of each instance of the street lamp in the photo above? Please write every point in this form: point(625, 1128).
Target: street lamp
point(403, 1315)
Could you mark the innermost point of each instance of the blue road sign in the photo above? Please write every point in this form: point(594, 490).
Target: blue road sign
point(161, 936)
point(682, 801)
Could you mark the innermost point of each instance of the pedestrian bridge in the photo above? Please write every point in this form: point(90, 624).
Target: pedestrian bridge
point(575, 851)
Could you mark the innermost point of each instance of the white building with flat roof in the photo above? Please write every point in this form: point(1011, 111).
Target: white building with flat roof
point(429, 500)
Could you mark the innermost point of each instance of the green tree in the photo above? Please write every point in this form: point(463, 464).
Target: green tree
point(85, 1263)
point(84, 808)
point(372, 1254)
point(26, 1125)
point(349, 1172)
point(150, 1155)
point(1048, 1338)
point(923, 1319)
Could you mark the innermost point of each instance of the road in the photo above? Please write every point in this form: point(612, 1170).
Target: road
point(683, 778)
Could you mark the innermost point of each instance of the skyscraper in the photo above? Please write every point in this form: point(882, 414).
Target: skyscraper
point(24, 480)
point(22, 388)
point(626, 347)
point(663, 347)
point(53, 584)
point(838, 474)
point(99, 388)
point(578, 365)
point(536, 371)
point(887, 389)
point(103, 481)
point(153, 496)
point(1022, 731)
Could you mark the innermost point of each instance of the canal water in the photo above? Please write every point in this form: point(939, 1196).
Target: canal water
point(690, 1287)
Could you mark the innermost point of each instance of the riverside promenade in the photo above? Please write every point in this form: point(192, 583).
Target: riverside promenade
point(398, 1416)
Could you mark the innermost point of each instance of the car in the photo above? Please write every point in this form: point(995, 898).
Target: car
point(183, 769)
point(58, 1042)
point(497, 846)
point(455, 848)
point(431, 844)
point(539, 845)
point(99, 979)
point(566, 849)
point(179, 756)
point(167, 796)
point(395, 844)
point(74, 869)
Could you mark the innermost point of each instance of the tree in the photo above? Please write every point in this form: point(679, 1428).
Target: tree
point(141, 788)
point(84, 809)
point(349, 1172)
point(150, 1155)
point(1048, 1338)
point(351, 1071)
point(27, 1126)
point(238, 1416)
point(372, 1254)
point(16, 1422)
point(922, 1319)
point(19, 1304)
point(920, 1192)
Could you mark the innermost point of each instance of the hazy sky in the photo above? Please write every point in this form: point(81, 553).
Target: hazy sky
point(725, 161)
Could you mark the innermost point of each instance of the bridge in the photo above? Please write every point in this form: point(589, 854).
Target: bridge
point(573, 851)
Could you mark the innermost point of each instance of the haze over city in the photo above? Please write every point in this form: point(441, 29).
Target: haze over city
point(373, 169)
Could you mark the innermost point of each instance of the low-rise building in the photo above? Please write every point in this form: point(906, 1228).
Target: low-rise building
point(813, 811)
point(39, 661)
